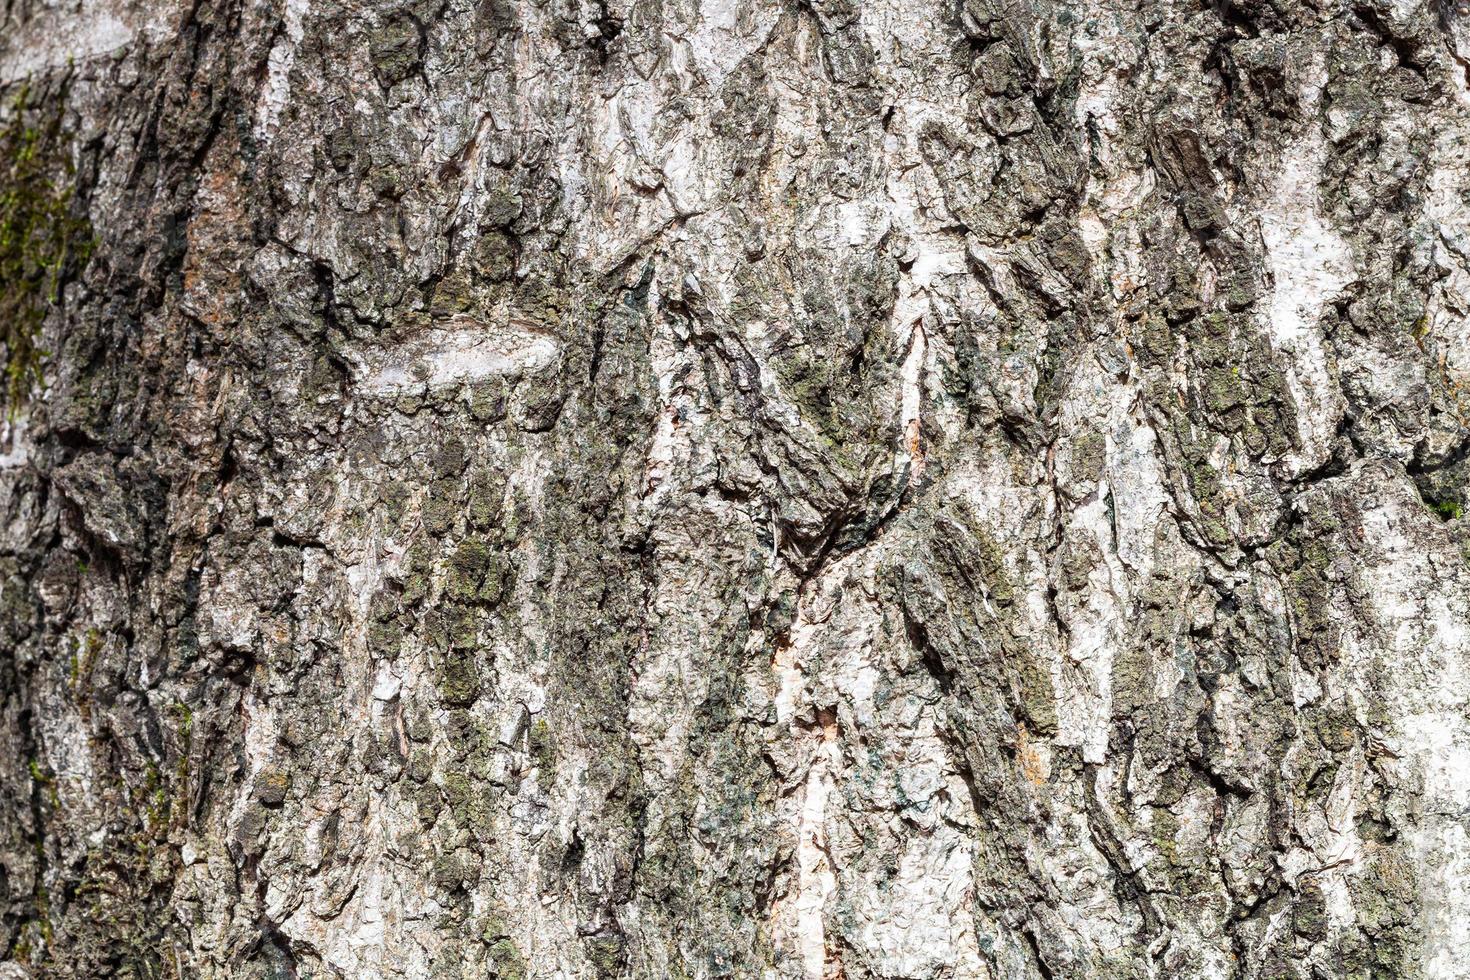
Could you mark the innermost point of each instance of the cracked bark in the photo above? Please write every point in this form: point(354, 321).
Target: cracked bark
point(670, 489)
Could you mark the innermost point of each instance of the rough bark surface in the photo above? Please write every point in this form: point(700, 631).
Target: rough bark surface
point(808, 489)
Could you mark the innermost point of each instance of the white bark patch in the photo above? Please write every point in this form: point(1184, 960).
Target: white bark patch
point(1426, 666)
point(13, 439)
point(668, 442)
point(1309, 261)
point(1310, 264)
point(861, 753)
point(1085, 702)
point(1140, 500)
point(933, 256)
point(61, 34)
point(729, 31)
point(913, 393)
point(1442, 735)
point(1116, 186)
point(277, 89)
point(1449, 224)
point(466, 350)
point(1119, 517)
point(816, 880)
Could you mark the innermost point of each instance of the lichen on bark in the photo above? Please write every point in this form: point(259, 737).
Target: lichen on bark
point(699, 489)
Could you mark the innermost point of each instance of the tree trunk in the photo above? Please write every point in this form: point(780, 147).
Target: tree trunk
point(812, 489)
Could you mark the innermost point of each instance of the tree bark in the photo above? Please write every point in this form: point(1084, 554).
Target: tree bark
point(816, 489)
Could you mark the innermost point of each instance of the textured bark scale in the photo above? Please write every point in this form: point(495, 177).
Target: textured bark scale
point(808, 489)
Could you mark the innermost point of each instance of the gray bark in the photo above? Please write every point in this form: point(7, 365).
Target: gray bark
point(655, 488)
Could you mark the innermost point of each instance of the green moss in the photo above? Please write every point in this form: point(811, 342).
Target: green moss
point(1223, 389)
point(396, 48)
point(460, 682)
point(487, 402)
point(41, 240)
point(1336, 731)
point(1448, 510)
point(184, 716)
point(467, 569)
point(383, 639)
point(1309, 914)
point(1165, 832)
point(415, 589)
point(485, 501)
point(1038, 698)
point(450, 872)
point(606, 956)
point(469, 802)
point(82, 663)
point(1207, 485)
point(507, 961)
point(1420, 329)
point(441, 508)
point(156, 806)
point(421, 765)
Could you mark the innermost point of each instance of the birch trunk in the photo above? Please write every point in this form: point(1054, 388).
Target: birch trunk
point(657, 488)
